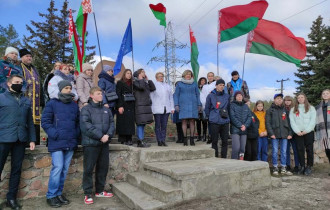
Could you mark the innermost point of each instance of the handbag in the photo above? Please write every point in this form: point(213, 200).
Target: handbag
point(223, 113)
point(112, 96)
point(128, 97)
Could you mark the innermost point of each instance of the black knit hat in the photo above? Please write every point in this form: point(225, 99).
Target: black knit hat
point(23, 52)
point(62, 84)
point(234, 73)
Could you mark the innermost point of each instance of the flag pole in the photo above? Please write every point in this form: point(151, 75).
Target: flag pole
point(132, 49)
point(217, 59)
point(243, 65)
point(97, 35)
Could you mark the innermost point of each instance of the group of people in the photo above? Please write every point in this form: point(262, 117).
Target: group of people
point(78, 109)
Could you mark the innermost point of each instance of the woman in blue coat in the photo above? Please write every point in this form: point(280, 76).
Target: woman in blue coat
point(107, 84)
point(240, 118)
point(188, 104)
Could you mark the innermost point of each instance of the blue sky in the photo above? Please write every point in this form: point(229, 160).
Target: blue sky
point(261, 72)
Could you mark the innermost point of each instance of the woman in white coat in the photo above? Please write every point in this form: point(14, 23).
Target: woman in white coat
point(162, 106)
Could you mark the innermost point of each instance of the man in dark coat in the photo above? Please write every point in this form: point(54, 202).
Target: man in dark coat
point(143, 111)
point(32, 79)
point(278, 129)
point(16, 129)
point(217, 111)
point(97, 126)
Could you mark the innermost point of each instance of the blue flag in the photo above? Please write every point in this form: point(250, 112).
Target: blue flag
point(126, 47)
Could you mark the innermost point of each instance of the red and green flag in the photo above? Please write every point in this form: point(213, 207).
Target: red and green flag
point(160, 12)
point(81, 23)
point(73, 37)
point(194, 54)
point(240, 19)
point(274, 39)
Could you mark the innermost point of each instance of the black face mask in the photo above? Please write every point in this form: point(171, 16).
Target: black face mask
point(17, 87)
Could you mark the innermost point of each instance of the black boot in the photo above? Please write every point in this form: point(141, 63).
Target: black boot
point(54, 202)
point(185, 141)
point(199, 138)
point(140, 143)
point(204, 137)
point(301, 170)
point(192, 143)
point(179, 141)
point(63, 200)
point(160, 143)
point(13, 204)
point(308, 171)
point(209, 141)
point(164, 144)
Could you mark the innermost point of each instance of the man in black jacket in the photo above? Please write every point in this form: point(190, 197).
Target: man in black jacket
point(16, 128)
point(278, 129)
point(97, 126)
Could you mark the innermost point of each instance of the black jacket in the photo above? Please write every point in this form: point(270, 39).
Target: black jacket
point(240, 114)
point(95, 121)
point(143, 111)
point(277, 122)
point(253, 129)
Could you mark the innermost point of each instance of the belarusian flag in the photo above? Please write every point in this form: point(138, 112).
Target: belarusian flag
point(194, 54)
point(73, 37)
point(241, 19)
point(81, 23)
point(159, 11)
point(274, 39)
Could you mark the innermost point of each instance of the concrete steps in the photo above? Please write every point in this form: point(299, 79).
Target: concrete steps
point(174, 174)
point(155, 187)
point(135, 198)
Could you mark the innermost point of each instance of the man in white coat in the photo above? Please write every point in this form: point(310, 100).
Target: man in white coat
point(162, 106)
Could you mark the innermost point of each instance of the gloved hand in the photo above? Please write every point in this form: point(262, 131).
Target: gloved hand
point(177, 108)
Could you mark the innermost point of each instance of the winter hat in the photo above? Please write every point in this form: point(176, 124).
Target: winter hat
point(234, 73)
point(220, 81)
point(236, 93)
point(11, 49)
point(86, 66)
point(278, 95)
point(23, 52)
point(62, 84)
point(107, 68)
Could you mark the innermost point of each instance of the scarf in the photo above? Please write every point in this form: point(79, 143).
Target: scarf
point(237, 85)
point(322, 140)
point(68, 77)
point(189, 82)
point(106, 76)
point(66, 97)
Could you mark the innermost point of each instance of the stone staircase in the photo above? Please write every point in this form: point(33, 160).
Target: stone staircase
point(171, 175)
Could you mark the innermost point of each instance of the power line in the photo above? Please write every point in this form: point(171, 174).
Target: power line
point(186, 18)
point(201, 17)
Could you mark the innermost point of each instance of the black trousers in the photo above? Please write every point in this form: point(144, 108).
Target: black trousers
point(327, 152)
point(124, 138)
point(97, 157)
point(179, 130)
point(17, 151)
point(305, 142)
point(199, 127)
point(37, 128)
point(251, 149)
point(223, 130)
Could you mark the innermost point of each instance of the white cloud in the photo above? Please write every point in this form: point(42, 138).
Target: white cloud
point(267, 93)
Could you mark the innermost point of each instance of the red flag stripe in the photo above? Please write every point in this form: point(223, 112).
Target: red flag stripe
point(158, 7)
point(75, 35)
point(87, 6)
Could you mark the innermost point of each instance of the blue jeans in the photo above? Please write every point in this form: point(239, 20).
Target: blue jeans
point(60, 164)
point(262, 148)
point(160, 126)
point(140, 132)
point(283, 146)
point(293, 143)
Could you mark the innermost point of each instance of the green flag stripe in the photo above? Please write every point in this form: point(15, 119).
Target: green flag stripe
point(242, 28)
point(194, 60)
point(80, 21)
point(265, 49)
point(160, 16)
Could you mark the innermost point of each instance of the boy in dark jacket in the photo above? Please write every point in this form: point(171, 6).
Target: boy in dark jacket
point(278, 129)
point(97, 126)
point(60, 120)
point(252, 137)
point(216, 110)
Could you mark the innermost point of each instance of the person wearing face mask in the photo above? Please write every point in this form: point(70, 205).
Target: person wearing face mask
point(9, 65)
point(31, 77)
point(84, 84)
point(62, 74)
point(16, 129)
point(60, 120)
